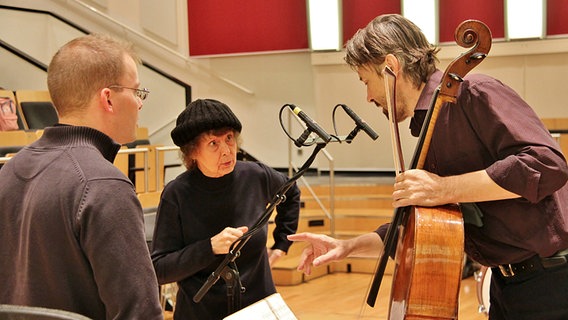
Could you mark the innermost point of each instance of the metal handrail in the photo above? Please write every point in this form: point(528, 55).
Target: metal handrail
point(312, 192)
point(330, 214)
point(178, 55)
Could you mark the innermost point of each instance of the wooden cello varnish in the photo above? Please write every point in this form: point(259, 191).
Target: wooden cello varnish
point(429, 262)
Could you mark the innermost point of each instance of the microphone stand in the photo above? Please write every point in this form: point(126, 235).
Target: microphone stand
point(228, 268)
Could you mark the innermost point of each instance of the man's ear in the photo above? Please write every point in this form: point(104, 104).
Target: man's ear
point(392, 62)
point(105, 99)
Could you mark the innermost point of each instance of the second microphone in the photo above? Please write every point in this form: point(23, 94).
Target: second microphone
point(311, 124)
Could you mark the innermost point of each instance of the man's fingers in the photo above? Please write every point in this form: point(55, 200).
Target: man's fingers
point(304, 236)
point(306, 260)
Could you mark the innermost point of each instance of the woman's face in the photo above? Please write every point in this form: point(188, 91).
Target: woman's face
point(216, 154)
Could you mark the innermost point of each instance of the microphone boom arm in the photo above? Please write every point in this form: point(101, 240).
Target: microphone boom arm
point(237, 245)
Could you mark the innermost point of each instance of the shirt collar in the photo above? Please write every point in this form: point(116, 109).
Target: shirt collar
point(424, 102)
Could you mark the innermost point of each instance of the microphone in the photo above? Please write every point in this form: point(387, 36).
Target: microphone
point(300, 141)
point(311, 124)
point(361, 124)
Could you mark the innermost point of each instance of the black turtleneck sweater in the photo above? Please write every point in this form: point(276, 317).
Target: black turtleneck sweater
point(194, 208)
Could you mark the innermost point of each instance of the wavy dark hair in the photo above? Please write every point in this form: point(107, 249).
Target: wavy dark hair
point(394, 34)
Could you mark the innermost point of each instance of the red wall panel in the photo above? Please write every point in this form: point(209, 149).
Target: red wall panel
point(358, 13)
point(556, 17)
point(452, 13)
point(225, 26)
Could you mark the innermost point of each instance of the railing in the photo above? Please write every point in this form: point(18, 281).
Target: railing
point(330, 214)
point(145, 151)
point(159, 151)
point(30, 59)
point(157, 44)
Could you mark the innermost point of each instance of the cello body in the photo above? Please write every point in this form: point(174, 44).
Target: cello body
point(429, 264)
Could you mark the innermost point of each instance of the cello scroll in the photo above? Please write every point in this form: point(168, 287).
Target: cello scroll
point(470, 33)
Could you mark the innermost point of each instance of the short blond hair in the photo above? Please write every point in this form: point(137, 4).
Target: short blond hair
point(84, 66)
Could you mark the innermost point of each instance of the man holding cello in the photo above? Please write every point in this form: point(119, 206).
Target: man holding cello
point(490, 153)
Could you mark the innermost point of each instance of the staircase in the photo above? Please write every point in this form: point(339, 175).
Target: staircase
point(360, 207)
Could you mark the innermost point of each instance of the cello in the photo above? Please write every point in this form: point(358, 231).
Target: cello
point(430, 247)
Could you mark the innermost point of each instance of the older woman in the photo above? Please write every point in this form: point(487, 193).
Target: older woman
point(212, 204)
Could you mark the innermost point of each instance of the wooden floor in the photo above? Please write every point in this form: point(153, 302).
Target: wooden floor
point(342, 296)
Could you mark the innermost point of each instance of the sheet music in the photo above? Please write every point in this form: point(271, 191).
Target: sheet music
point(272, 307)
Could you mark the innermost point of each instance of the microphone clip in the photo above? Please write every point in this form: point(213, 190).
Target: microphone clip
point(352, 134)
point(300, 142)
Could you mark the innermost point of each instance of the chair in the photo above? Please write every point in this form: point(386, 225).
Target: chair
point(36, 108)
point(150, 202)
point(13, 312)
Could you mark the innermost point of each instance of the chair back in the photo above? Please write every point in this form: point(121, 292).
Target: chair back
point(36, 108)
point(13, 312)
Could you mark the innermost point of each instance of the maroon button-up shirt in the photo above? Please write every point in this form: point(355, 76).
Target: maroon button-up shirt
point(490, 127)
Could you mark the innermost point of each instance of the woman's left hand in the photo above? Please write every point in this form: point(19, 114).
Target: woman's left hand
point(274, 255)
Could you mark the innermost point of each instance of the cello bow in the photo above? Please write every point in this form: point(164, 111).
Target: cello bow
point(470, 33)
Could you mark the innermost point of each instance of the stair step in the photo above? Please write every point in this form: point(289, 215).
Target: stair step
point(285, 273)
point(346, 189)
point(353, 212)
point(359, 208)
point(383, 202)
point(349, 197)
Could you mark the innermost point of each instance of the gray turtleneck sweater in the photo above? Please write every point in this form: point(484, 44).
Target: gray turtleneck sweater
point(72, 231)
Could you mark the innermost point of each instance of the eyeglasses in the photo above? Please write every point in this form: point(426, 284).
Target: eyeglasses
point(141, 94)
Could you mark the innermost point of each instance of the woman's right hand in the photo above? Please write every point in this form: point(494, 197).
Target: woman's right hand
point(221, 242)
